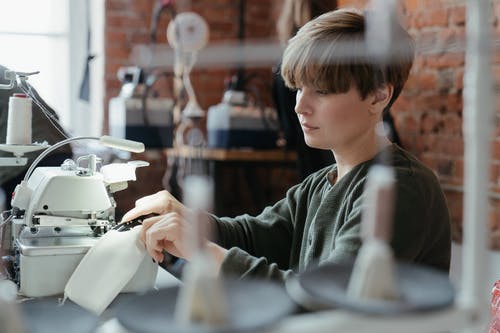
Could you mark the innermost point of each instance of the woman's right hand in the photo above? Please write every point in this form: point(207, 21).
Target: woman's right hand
point(160, 203)
point(173, 233)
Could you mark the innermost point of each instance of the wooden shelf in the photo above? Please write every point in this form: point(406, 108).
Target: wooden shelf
point(250, 155)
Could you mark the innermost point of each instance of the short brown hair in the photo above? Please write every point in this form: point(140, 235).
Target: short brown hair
point(328, 53)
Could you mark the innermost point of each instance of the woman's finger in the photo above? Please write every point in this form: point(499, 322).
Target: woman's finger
point(147, 223)
point(159, 234)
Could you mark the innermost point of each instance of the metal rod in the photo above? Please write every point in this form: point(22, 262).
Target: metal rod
point(477, 128)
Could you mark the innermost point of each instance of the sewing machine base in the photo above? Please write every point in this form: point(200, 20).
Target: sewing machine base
point(44, 265)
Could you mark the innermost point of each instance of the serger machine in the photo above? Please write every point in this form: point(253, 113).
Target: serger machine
point(58, 215)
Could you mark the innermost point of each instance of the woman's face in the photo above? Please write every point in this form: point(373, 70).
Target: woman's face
point(333, 120)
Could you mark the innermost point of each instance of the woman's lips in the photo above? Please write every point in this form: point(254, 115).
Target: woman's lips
point(308, 127)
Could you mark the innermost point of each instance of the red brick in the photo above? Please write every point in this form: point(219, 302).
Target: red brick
point(438, 4)
point(429, 123)
point(444, 167)
point(459, 78)
point(457, 15)
point(496, 13)
point(112, 83)
point(432, 18)
point(112, 68)
point(451, 39)
point(225, 28)
point(459, 168)
point(411, 5)
point(496, 75)
point(117, 37)
point(117, 53)
point(495, 173)
point(219, 14)
point(402, 104)
point(418, 63)
point(445, 60)
point(496, 150)
point(428, 143)
point(352, 3)
point(111, 5)
point(451, 145)
point(139, 37)
point(431, 103)
point(454, 103)
point(412, 84)
point(453, 126)
point(427, 81)
point(124, 21)
point(409, 124)
point(141, 5)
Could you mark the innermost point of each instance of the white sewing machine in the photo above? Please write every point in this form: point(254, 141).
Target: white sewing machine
point(59, 214)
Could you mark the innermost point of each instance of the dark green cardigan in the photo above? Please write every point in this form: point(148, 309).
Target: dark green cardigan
point(318, 222)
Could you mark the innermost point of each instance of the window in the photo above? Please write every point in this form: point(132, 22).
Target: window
point(50, 36)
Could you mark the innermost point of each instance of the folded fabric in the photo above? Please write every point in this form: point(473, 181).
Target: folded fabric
point(118, 262)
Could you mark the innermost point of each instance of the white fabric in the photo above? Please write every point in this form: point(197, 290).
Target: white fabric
point(118, 262)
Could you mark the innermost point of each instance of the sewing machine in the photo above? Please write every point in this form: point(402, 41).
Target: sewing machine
point(59, 214)
point(234, 123)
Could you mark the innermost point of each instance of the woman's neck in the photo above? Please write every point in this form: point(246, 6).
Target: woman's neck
point(356, 154)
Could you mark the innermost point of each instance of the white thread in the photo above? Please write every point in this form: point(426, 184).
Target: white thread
point(19, 120)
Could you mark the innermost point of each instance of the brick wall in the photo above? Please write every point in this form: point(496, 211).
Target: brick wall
point(428, 114)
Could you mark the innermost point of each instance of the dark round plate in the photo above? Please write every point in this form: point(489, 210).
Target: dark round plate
point(421, 289)
point(252, 304)
point(47, 316)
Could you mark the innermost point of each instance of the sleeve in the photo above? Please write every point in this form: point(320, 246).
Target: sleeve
point(241, 264)
point(409, 227)
point(421, 225)
point(259, 246)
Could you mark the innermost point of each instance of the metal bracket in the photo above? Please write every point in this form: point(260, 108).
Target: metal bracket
point(13, 161)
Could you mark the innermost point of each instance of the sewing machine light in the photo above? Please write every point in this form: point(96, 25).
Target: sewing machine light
point(123, 144)
point(108, 141)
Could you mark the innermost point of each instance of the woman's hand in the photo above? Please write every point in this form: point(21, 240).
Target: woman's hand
point(167, 232)
point(173, 233)
point(160, 203)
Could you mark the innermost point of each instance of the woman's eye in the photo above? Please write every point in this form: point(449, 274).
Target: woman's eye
point(322, 92)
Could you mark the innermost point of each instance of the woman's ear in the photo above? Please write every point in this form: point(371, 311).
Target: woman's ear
point(381, 98)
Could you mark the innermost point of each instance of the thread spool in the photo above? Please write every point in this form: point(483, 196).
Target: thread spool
point(19, 120)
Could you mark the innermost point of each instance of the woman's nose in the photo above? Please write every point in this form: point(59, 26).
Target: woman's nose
point(301, 102)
